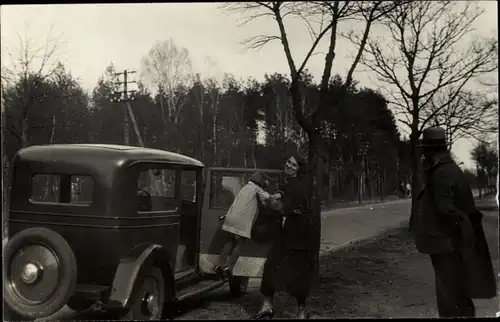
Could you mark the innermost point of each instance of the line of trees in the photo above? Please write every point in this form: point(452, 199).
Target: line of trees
point(485, 156)
point(231, 123)
point(346, 131)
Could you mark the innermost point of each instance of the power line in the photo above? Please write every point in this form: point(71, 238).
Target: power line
point(125, 96)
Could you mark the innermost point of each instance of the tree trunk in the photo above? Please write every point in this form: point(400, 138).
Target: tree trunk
point(381, 186)
point(338, 181)
point(361, 180)
point(416, 167)
point(315, 172)
point(369, 183)
point(214, 135)
point(24, 133)
point(49, 183)
point(53, 132)
point(229, 144)
point(202, 127)
point(254, 159)
point(331, 181)
point(164, 123)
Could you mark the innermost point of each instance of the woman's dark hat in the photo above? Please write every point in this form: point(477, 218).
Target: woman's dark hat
point(433, 137)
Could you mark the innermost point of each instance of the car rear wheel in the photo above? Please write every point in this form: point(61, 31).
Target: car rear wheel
point(147, 302)
point(238, 285)
point(10, 315)
point(39, 273)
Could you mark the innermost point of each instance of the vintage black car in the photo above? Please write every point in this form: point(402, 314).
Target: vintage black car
point(127, 230)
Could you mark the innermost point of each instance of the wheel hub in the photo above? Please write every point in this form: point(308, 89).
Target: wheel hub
point(30, 273)
point(150, 304)
point(34, 273)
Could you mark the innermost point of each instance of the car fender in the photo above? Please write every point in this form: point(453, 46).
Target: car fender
point(130, 267)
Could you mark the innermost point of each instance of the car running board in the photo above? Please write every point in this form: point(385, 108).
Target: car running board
point(199, 288)
point(96, 306)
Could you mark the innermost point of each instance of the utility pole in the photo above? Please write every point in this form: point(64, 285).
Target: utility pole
point(124, 96)
point(129, 115)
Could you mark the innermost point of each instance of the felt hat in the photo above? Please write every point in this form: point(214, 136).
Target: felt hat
point(434, 136)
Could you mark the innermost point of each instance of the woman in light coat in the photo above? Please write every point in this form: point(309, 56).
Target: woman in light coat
point(240, 220)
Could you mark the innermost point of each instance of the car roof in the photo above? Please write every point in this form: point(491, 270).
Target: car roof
point(110, 153)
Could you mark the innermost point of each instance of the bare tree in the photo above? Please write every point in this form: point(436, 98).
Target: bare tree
point(466, 115)
point(485, 156)
point(321, 18)
point(208, 84)
point(24, 72)
point(169, 68)
point(421, 54)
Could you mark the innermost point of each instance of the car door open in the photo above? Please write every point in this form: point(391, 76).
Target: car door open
point(221, 187)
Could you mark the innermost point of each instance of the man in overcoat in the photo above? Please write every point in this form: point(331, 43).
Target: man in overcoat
point(447, 226)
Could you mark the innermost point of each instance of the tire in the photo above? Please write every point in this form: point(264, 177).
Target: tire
point(238, 285)
point(138, 309)
point(53, 273)
point(10, 315)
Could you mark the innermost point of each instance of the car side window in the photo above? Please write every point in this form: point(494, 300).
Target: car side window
point(156, 190)
point(81, 189)
point(45, 188)
point(48, 188)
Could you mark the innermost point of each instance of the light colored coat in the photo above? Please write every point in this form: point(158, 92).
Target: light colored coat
point(242, 214)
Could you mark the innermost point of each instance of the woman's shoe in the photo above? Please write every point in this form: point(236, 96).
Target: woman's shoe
point(219, 271)
point(265, 314)
point(226, 273)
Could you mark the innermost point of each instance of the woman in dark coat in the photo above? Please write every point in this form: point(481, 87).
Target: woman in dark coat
point(292, 262)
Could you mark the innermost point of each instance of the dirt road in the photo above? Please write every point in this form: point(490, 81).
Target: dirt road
point(386, 277)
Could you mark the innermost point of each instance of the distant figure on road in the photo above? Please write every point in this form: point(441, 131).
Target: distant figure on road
point(402, 190)
point(408, 190)
point(292, 262)
point(447, 226)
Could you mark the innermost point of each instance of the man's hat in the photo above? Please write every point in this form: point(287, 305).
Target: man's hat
point(434, 136)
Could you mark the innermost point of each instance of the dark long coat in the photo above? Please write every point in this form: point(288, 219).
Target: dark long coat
point(302, 228)
point(447, 220)
point(292, 262)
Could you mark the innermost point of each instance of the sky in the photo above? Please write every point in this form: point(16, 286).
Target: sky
point(94, 35)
